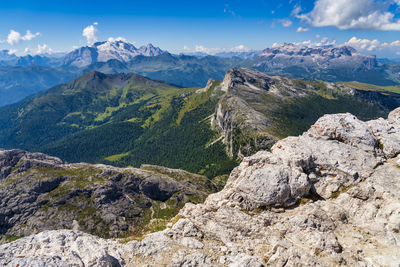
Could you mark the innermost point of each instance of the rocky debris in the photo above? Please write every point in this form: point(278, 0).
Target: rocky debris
point(257, 110)
point(329, 197)
point(39, 192)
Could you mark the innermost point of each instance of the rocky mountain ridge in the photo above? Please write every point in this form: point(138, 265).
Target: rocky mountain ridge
point(323, 56)
point(328, 63)
point(326, 198)
point(115, 56)
point(39, 192)
point(258, 109)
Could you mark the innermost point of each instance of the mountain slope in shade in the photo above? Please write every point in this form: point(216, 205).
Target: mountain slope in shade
point(5, 55)
point(18, 82)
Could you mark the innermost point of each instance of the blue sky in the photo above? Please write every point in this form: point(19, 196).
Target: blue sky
point(208, 26)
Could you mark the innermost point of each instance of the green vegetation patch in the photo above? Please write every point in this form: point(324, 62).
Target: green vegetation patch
point(372, 87)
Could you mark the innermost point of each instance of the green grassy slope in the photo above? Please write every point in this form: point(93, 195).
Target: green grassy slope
point(124, 120)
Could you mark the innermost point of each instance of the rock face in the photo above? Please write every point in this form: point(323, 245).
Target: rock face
point(326, 198)
point(38, 192)
point(258, 109)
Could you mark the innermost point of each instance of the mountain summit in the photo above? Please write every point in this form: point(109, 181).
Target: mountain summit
point(104, 51)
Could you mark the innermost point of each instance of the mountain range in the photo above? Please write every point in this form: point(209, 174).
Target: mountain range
point(328, 63)
point(129, 120)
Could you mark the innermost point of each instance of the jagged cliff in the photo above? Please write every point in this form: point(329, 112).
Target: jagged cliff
point(326, 198)
point(257, 109)
point(39, 192)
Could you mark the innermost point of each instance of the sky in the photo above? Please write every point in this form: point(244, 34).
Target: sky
point(210, 26)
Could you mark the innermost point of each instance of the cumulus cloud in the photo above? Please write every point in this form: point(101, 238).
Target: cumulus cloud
point(372, 45)
point(15, 37)
point(301, 29)
point(206, 50)
point(90, 33)
point(355, 14)
point(41, 49)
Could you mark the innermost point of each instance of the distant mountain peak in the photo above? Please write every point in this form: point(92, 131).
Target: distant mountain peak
point(104, 51)
point(292, 49)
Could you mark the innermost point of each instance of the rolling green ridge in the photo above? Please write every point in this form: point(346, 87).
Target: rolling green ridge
point(123, 120)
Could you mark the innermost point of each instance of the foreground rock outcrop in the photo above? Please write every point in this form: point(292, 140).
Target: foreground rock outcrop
point(326, 198)
point(39, 192)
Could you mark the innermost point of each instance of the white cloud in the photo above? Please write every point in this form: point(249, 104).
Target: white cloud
point(355, 14)
point(395, 43)
point(112, 39)
point(12, 51)
point(363, 44)
point(44, 49)
point(372, 45)
point(213, 51)
point(15, 37)
point(90, 32)
point(203, 49)
point(240, 48)
point(324, 41)
point(41, 49)
point(301, 29)
point(285, 22)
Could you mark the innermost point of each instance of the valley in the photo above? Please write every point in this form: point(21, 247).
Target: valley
point(113, 155)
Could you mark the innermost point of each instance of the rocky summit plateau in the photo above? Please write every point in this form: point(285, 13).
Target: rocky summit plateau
point(328, 197)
